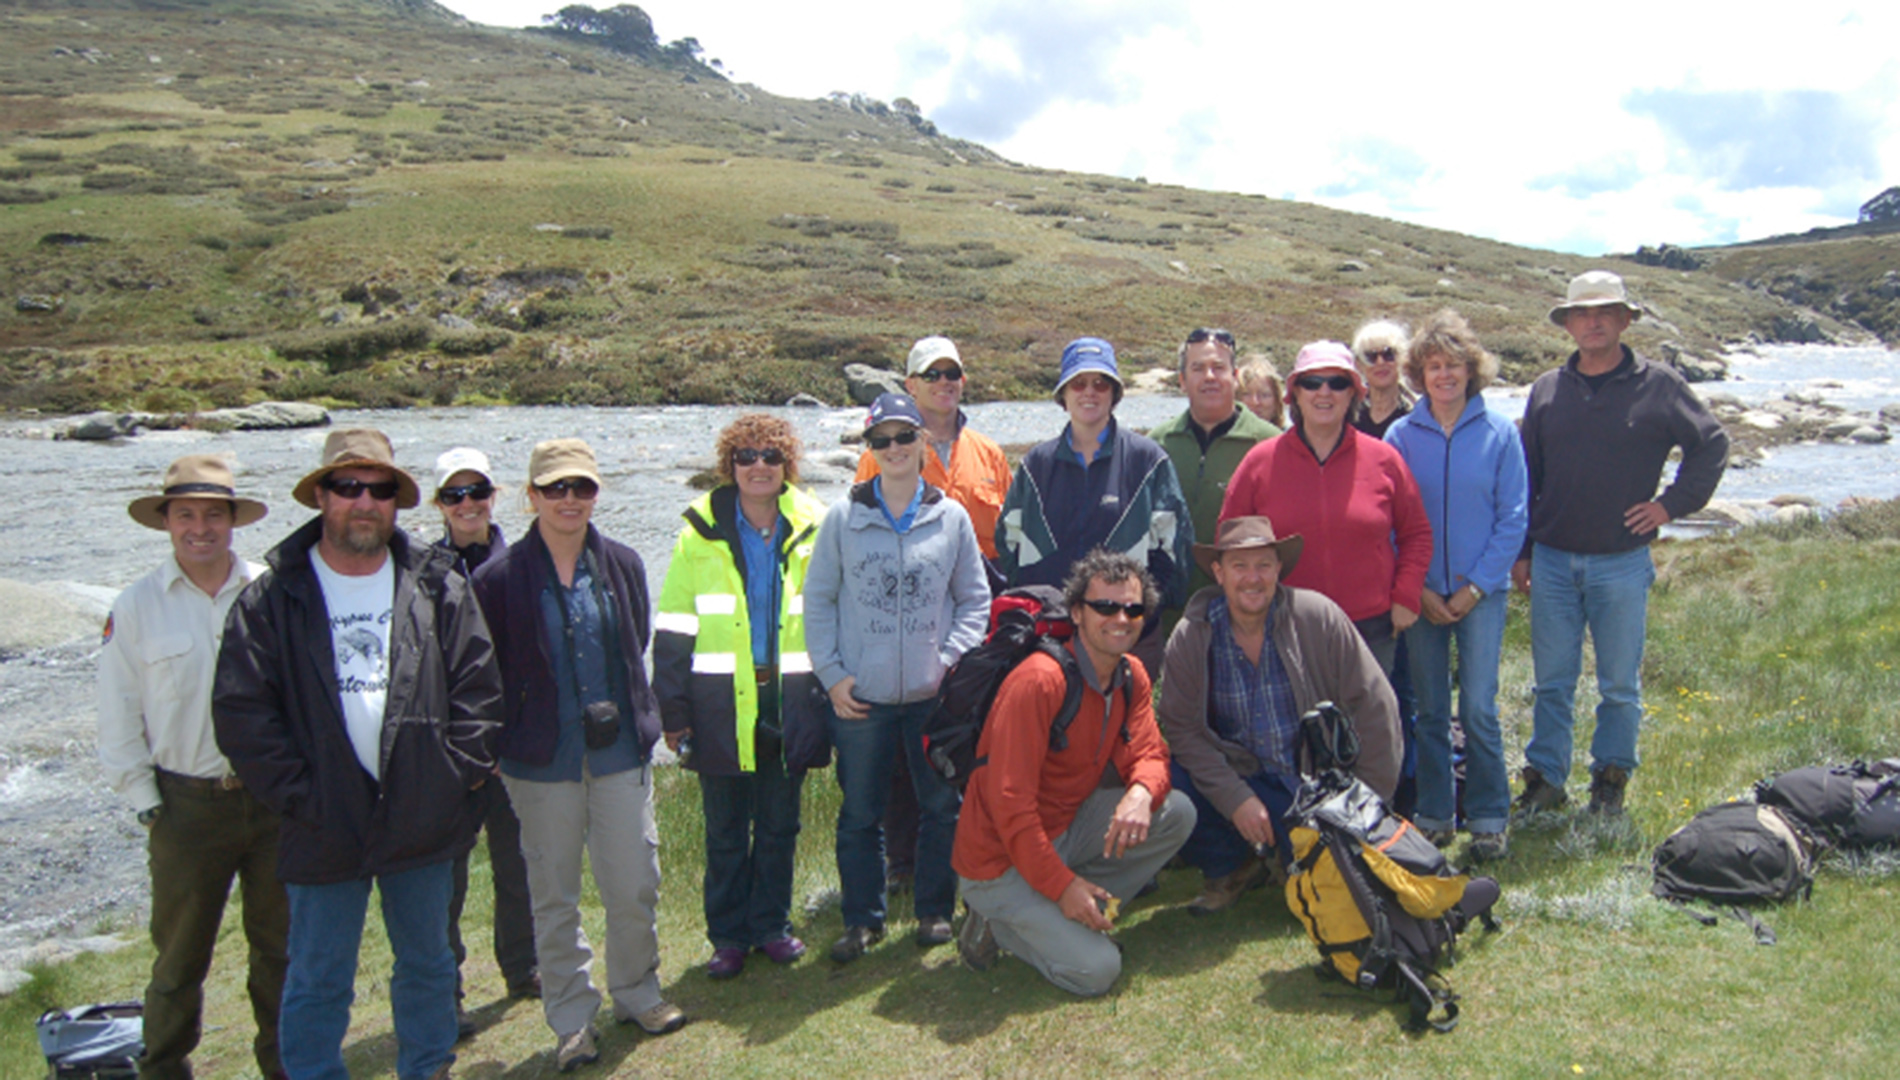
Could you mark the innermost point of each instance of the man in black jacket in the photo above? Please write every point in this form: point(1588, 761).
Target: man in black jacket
point(357, 695)
point(1597, 433)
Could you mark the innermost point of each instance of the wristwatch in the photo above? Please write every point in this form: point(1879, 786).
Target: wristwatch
point(149, 815)
point(1476, 593)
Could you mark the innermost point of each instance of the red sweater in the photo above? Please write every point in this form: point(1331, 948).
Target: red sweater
point(1351, 510)
point(1025, 794)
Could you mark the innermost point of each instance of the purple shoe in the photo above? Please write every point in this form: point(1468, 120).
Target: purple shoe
point(726, 962)
point(784, 950)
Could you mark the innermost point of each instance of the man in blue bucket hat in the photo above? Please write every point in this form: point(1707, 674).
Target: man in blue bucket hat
point(1097, 485)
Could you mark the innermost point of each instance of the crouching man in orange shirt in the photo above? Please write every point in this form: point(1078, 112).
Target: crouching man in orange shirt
point(1050, 837)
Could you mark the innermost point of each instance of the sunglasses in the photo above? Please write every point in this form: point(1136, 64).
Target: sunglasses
point(902, 438)
point(351, 490)
point(453, 496)
point(1341, 383)
point(954, 374)
point(1382, 356)
point(1225, 337)
point(1108, 609)
point(580, 487)
point(747, 455)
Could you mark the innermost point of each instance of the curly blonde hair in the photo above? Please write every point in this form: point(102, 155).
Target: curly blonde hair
point(1447, 334)
point(759, 432)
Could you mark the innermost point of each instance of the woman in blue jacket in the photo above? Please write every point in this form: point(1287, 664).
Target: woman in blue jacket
point(1469, 464)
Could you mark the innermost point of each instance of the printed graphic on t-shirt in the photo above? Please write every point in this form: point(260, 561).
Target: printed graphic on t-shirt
point(360, 612)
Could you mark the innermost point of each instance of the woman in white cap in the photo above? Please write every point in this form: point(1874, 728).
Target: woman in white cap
point(1348, 494)
point(896, 593)
point(569, 613)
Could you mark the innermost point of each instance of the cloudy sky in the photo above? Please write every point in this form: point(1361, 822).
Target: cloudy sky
point(1589, 131)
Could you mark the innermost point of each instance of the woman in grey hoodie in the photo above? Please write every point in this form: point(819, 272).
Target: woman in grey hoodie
point(895, 593)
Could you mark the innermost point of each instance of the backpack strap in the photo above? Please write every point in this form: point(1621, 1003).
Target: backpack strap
point(1072, 696)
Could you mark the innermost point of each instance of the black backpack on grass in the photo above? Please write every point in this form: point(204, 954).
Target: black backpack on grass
point(1856, 806)
point(1736, 854)
point(1023, 621)
point(1378, 899)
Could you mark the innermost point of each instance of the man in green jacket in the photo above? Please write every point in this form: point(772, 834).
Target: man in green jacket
point(1208, 439)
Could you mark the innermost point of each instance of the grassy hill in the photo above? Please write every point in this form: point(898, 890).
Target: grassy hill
point(209, 203)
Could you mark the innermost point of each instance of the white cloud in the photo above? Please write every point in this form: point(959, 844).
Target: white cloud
point(1586, 132)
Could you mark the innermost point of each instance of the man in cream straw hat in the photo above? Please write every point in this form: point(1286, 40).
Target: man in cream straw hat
point(1597, 432)
point(155, 740)
point(357, 695)
point(1250, 656)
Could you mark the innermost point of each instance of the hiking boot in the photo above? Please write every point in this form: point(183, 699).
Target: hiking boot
point(576, 1049)
point(1488, 847)
point(976, 945)
point(1540, 795)
point(526, 989)
point(785, 950)
point(662, 1019)
point(1441, 838)
point(727, 962)
point(1606, 790)
point(1223, 892)
point(857, 940)
point(932, 931)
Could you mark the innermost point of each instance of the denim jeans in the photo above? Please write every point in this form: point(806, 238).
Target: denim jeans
point(1480, 639)
point(751, 835)
point(1215, 847)
point(326, 930)
point(1608, 594)
point(867, 752)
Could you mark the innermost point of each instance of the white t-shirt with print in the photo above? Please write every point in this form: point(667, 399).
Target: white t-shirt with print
point(360, 609)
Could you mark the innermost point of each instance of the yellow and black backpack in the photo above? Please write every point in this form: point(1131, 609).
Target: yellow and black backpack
point(1376, 896)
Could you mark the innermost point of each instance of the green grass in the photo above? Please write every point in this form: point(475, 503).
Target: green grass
point(1774, 648)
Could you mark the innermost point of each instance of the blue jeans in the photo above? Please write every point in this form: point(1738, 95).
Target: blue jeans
point(751, 835)
point(1608, 594)
point(326, 930)
point(1480, 639)
point(867, 752)
point(1215, 847)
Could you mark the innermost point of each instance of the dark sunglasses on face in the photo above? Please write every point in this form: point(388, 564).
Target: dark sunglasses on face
point(1109, 608)
point(453, 496)
point(1382, 356)
point(747, 455)
point(954, 374)
point(580, 487)
point(1196, 336)
point(381, 490)
point(1341, 383)
point(902, 438)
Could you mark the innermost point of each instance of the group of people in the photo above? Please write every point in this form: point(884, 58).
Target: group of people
point(353, 712)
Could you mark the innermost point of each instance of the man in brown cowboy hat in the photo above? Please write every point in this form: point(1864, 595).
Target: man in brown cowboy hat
point(1597, 432)
point(357, 695)
point(1249, 657)
point(155, 740)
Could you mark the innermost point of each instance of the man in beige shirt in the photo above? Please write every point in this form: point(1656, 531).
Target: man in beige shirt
point(159, 751)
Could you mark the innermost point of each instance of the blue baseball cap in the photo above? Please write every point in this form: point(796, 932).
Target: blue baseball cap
point(900, 407)
point(1089, 354)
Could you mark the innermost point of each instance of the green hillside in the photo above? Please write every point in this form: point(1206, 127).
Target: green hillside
point(209, 203)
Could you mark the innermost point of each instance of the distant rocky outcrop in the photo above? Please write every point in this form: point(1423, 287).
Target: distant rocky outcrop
point(1792, 418)
point(1882, 207)
point(865, 382)
point(1668, 256)
point(264, 416)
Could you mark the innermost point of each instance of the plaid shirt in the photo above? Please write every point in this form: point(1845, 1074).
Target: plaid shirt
point(1252, 704)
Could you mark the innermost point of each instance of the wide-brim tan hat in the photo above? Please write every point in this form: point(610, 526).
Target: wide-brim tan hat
point(1240, 533)
point(353, 447)
point(196, 476)
point(1594, 288)
point(558, 459)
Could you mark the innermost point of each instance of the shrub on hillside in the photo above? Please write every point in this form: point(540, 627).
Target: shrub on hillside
point(14, 195)
point(347, 348)
point(474, 342)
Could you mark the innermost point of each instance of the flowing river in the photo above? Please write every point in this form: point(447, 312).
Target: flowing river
point(70, 854)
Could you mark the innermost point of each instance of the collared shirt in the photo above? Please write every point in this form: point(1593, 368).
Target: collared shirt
point(763, 580)
point(1253, 703)
point(901, 522)
point(576, 635)
point(155, 672)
